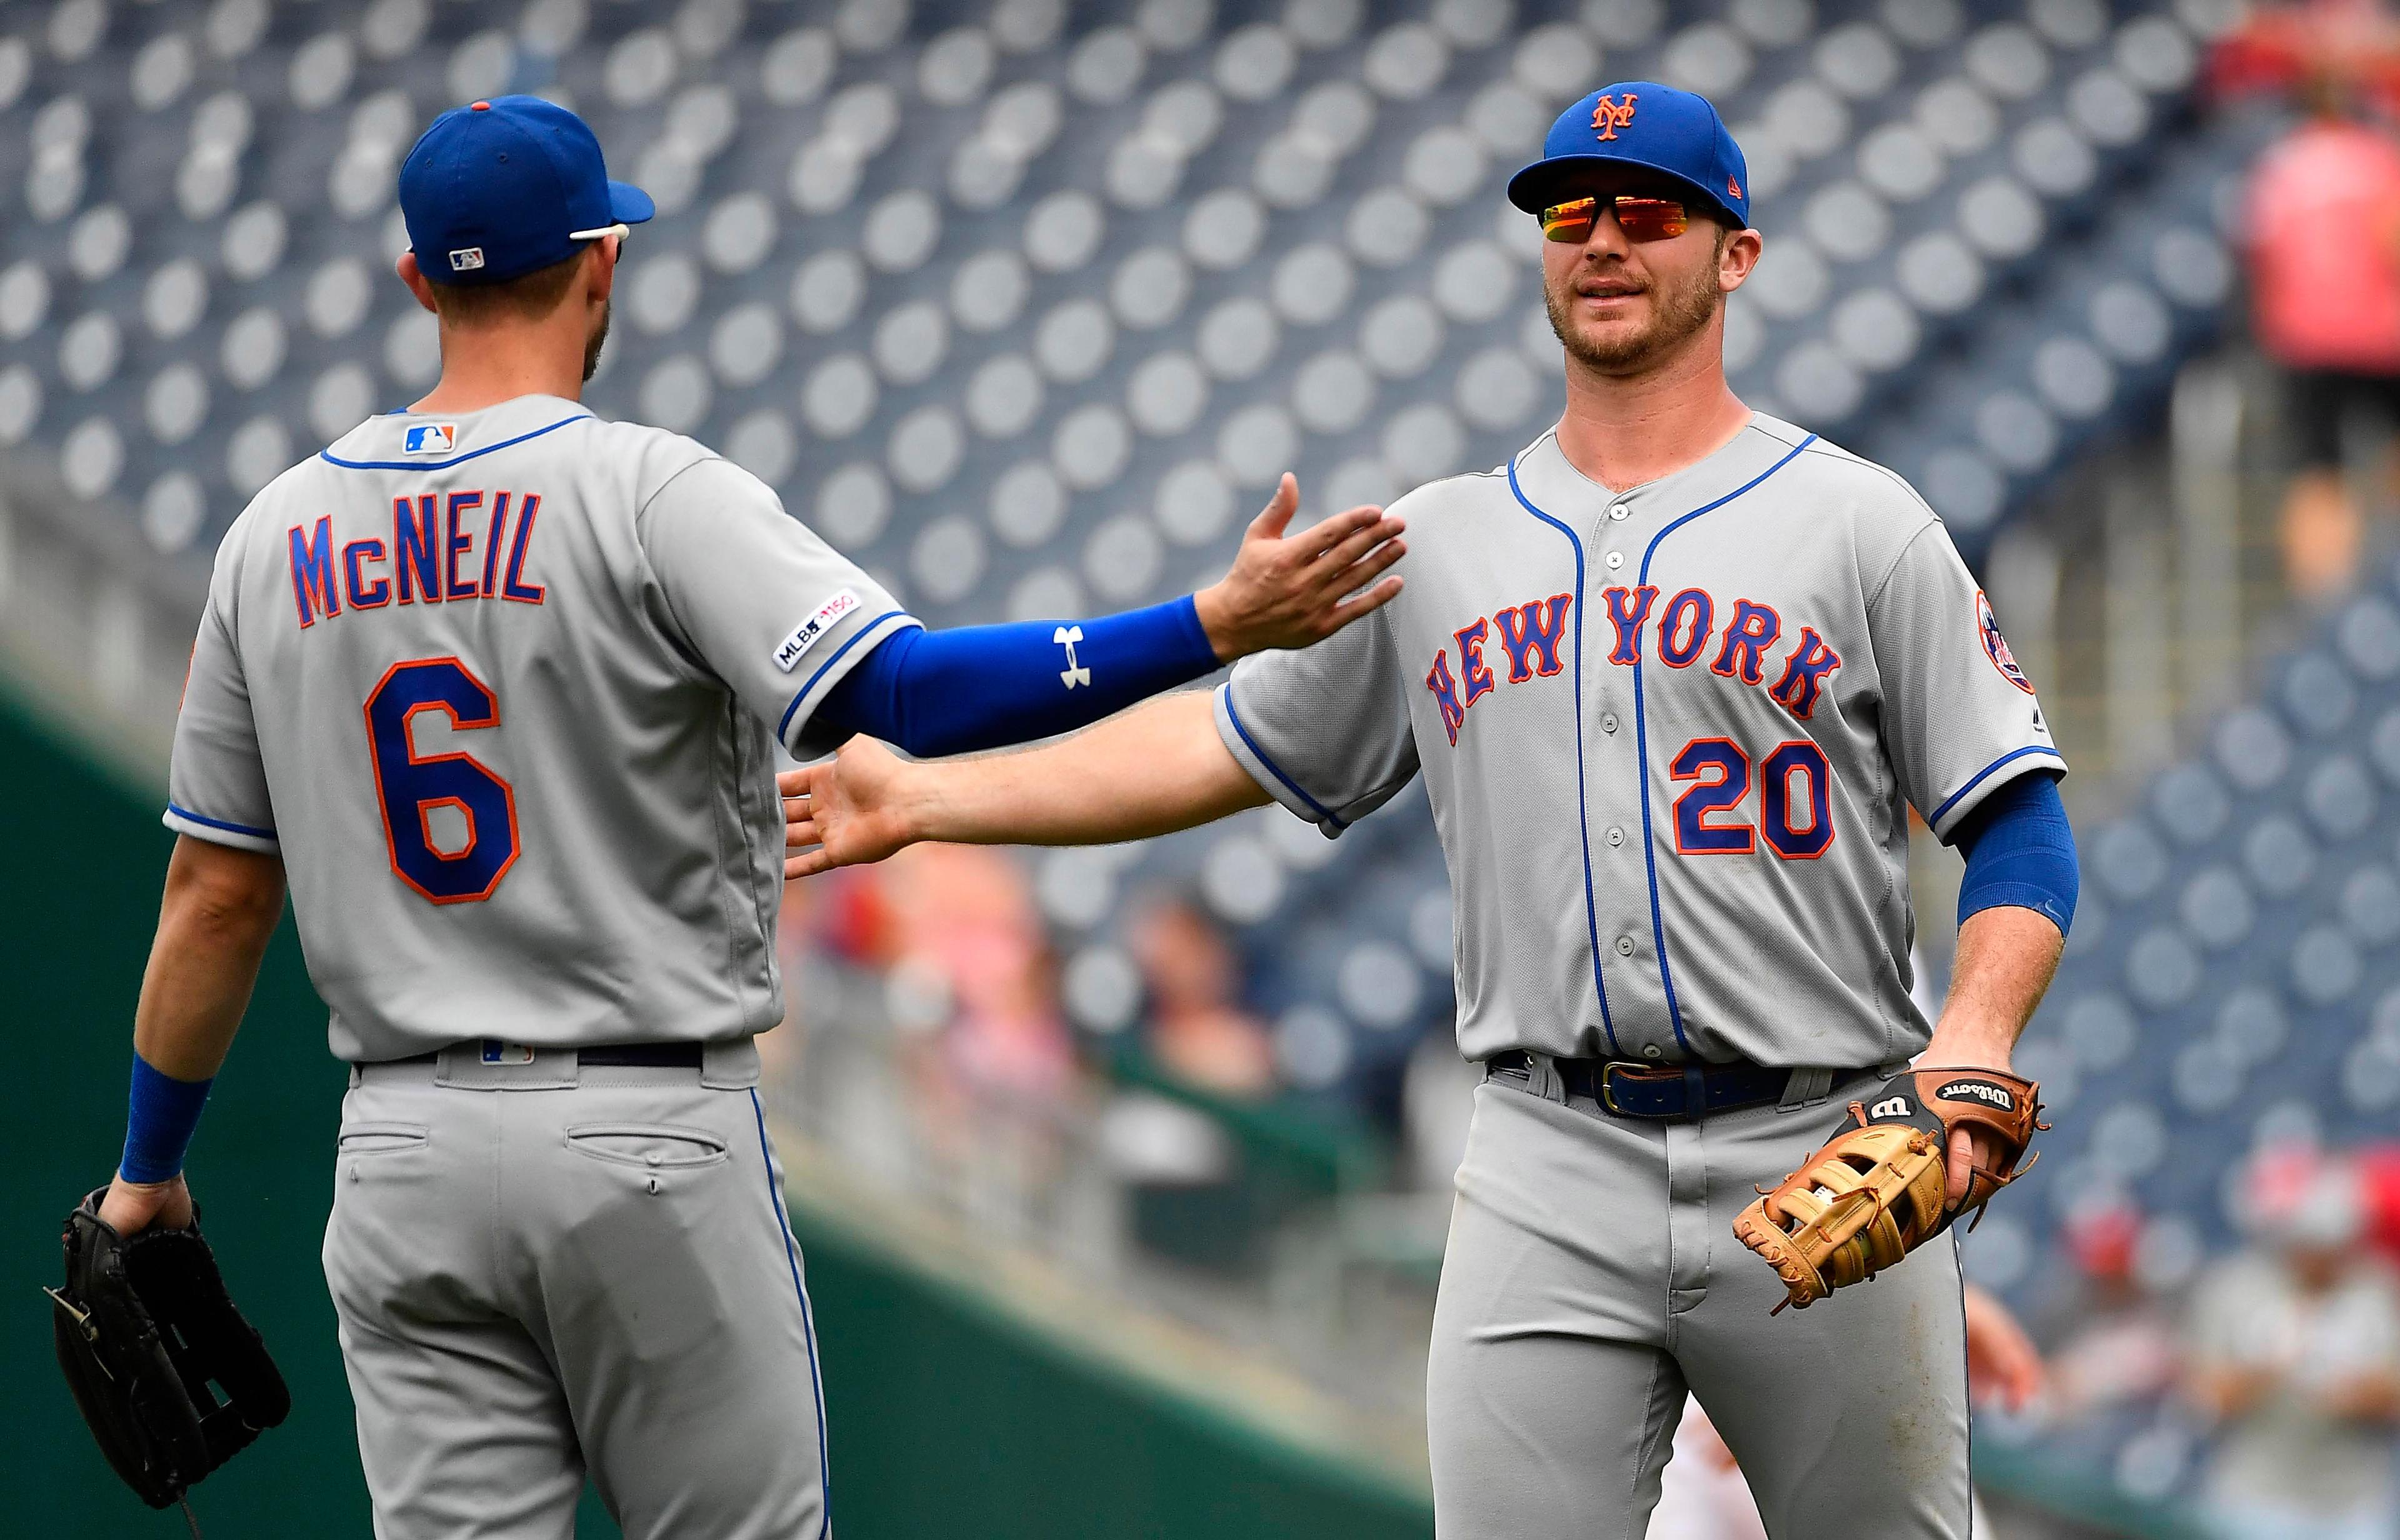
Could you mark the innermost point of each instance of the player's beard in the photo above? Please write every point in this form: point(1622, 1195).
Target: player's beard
point(591, 348)
point(1679, 311)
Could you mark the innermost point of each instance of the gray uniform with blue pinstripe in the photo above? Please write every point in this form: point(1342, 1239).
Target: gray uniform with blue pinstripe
point(1670, 737)
point(502, 689)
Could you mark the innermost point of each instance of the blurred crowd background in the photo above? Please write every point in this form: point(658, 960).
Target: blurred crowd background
point(1024, 303)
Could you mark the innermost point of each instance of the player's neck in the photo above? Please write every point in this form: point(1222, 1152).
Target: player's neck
point(1625, 430)
point(499, 364)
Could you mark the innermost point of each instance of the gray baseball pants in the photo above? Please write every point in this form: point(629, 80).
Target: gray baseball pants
point(1592, 1278)
point(541, 1270)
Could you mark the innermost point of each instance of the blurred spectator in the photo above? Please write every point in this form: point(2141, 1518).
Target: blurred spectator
point(2295, 1350)
point(2379, 1178)
point(952, 934)
point(973, 952)
point(2280, 47)
point(2113, 1342)
point(1198, 1032)
point(2323, 227)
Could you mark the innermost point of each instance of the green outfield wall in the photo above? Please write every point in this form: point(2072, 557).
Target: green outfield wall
point(949, 1417)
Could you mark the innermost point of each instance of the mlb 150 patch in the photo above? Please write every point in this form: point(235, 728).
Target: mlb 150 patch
point(805, 635)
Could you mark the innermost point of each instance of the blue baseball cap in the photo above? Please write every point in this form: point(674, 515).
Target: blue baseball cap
point(1641, 123)
point(496, 189)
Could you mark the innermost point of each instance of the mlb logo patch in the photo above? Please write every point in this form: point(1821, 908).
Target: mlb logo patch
point(497, 1052)
point(428, 437)
point(792, 649)
point(465, 259)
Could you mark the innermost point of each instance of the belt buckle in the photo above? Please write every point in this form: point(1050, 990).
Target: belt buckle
point(1608, 1090)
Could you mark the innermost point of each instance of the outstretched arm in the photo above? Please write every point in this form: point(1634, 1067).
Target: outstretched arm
point(219, 911)
point(977, 688)
point(1152, 770)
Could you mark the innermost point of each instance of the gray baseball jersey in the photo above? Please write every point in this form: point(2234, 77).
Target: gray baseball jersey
point(1670, 737)
point(499, 687)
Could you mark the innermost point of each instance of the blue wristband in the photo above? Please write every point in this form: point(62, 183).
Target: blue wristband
point(161, 1112)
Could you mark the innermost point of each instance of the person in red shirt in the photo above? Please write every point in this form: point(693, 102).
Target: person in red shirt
point(2323, 231)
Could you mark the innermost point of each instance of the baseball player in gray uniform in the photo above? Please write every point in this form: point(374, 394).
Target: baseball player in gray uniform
point(499, 685)
point(1673, 676)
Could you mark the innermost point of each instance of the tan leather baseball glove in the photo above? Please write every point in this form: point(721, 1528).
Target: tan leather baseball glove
point(1876, 1192)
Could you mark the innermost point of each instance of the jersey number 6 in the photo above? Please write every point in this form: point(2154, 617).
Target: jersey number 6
point(1796, 801)
point(411, 785)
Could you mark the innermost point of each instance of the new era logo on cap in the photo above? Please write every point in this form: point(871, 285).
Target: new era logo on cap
point(428, 437)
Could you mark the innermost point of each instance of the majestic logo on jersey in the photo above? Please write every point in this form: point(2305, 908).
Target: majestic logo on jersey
point(436, 555)
point(1996, 646)
point(428, 437)
point(1683, 629)
point(1074, 673)
point(809, 633)
point(1608, 116)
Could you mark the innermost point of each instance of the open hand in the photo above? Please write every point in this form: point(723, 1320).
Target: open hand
point(132, 1207)
point(1288, 591)
point(846, 810)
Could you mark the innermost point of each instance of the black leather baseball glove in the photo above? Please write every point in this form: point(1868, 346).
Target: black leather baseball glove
point(144, 1325)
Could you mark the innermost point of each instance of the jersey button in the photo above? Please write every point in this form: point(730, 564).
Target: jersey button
point(1608, 721)
point(1615, 837)
point(1650, 1051)
point(1616, 560)
point(1625, 946)
point(1619, 512)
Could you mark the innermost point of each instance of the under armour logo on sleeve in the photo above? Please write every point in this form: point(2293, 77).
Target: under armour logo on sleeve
point(1073, 674)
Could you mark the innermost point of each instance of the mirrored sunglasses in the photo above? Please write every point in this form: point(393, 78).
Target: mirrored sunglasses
point(1640, 218)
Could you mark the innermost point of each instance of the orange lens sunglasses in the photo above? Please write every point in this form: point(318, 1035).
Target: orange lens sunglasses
point(1641, 218)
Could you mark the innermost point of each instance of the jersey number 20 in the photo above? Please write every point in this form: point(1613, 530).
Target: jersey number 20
point(1795, 802)
point(411, 785)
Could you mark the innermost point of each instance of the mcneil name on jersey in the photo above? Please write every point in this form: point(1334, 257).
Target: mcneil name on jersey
point(443, 547)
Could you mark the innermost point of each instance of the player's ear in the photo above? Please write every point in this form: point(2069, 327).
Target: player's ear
point(600, 268)
point(1737, 254)
point(409, 274)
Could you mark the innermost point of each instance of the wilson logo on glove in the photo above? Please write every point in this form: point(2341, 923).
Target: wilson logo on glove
point(1879, 1190)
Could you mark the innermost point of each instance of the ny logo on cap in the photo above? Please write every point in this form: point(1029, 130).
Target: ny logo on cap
point(468, 258)
point(1607, 117)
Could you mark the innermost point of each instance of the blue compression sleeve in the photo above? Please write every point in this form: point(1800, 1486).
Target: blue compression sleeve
point(161, 1112)
point(937, 692)
point(2019, 852)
